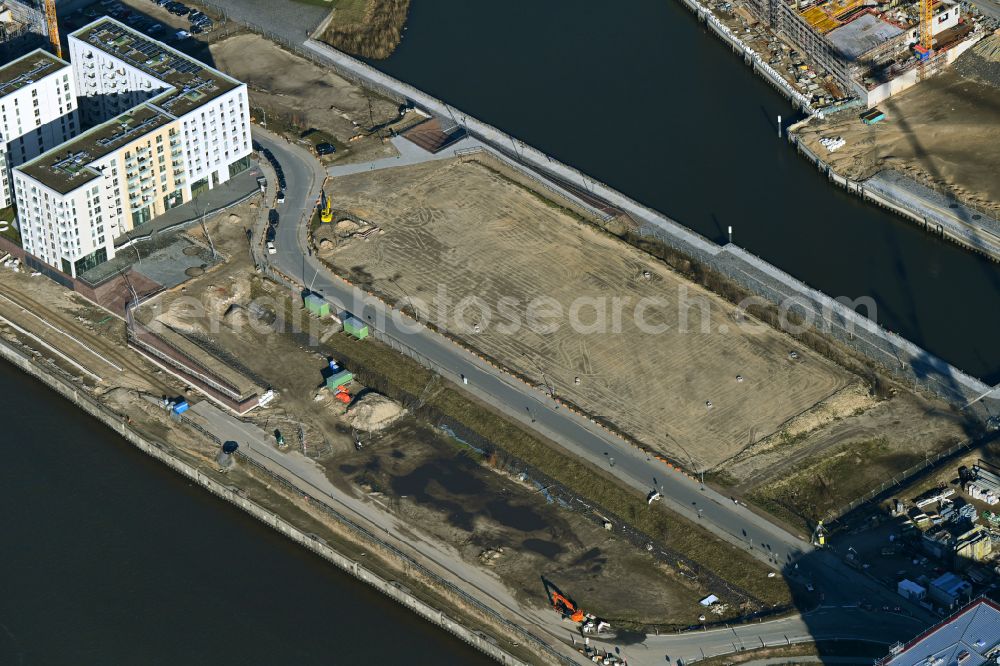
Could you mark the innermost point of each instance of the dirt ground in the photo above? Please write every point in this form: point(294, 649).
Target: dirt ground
point(412, 469)
point(293, 90)
point(944, 132)
point(456, 229)
point(440, 485)
point(811, 474)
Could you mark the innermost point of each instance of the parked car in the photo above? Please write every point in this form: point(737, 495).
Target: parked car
point(270, 234)
point(270, 248)
point(272, 217)
point(281, 197)
point(195, 15)
point(154, 29)
point(325, 148)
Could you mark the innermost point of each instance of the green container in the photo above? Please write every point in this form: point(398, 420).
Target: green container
point(356, 327)
point(317, 305)
point(341, 378)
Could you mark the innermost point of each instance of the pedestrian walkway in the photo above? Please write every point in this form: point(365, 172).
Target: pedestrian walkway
point(977, 228)
point(409, 154)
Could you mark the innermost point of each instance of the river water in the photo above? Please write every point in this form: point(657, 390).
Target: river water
point(640, 96)
point(108, 557)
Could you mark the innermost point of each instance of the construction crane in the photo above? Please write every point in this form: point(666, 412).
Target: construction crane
point(53, 25)
point(927, 24)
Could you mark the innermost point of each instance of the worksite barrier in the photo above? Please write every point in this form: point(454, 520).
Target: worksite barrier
point(888, 350)
point(120, 424)
point(900, 479)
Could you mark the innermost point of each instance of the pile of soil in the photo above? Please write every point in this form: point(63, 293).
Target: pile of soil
point(373, 412)
point(982, 62)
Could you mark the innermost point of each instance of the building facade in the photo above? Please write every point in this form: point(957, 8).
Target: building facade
point(164, 128)
point(37, 111)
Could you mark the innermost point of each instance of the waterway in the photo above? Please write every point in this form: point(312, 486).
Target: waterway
point(110, 558)
point(637, 94)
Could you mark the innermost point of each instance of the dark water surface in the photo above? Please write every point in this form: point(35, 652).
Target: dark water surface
point(108, 557)
point(640, 96)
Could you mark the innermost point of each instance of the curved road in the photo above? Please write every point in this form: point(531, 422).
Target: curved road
point(782, 550)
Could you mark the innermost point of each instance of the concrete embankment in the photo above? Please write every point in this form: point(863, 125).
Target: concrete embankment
point(834, 318)
point(392, 589)
point(932, 220)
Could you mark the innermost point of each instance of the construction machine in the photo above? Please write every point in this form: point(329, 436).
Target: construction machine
point(326, 209)
point(568, 609)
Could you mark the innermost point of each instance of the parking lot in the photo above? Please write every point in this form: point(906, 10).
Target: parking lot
point(166, 20)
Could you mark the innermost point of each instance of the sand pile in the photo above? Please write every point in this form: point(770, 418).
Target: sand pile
point(346, 227)
point(373, 412)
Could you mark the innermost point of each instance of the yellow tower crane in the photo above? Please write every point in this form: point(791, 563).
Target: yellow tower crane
point(927, 24)
point(50, 19)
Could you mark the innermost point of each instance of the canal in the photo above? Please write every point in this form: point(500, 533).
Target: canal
point(110, 558)
point(637, 94)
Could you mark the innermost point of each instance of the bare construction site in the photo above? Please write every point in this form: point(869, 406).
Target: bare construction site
point(682, 373)
point(943, 133)
point(537, 289)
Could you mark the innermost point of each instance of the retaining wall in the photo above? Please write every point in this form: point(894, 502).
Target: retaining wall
point(232, 495)
point(890, 351)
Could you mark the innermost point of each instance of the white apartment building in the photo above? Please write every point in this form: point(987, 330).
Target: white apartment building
point(169, 127)
point(37, 111)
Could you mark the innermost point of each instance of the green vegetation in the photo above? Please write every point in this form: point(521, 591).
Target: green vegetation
point(350, 12)
point(7, 230)
point(368, 28)
point(699, 553)
point(819, 486)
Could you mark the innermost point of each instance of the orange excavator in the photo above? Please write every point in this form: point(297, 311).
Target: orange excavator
point(568, 609)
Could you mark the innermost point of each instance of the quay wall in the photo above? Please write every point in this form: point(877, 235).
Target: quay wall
point(888, 350)
point(964, 237)
point(392, 589)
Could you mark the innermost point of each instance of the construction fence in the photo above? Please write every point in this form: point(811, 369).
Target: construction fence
point(161, 452)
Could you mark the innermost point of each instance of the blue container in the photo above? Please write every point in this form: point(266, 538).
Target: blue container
point(181, 407)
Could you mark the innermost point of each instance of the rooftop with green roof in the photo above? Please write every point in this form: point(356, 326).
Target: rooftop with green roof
point(193, 82)
point(28, 69)
point(67, 166)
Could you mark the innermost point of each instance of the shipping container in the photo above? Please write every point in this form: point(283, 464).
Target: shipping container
point(333, 382)
point(356, 327)
point(317, 306)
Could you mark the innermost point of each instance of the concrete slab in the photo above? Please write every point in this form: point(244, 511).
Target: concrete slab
point(862, 35)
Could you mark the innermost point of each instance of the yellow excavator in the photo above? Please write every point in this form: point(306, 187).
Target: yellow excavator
point(326, 210)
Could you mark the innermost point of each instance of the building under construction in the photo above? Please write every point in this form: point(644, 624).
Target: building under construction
point(873, 48)
point(23, 27)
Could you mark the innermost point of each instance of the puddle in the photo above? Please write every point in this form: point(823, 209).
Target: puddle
point(521, 518)
point(549, 549)
point(437, 483)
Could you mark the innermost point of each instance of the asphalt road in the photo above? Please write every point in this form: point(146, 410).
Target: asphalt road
point(823, 623)
point(792, 554)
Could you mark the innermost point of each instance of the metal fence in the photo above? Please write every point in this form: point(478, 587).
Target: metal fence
point(92, 406)
point(900, 479)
